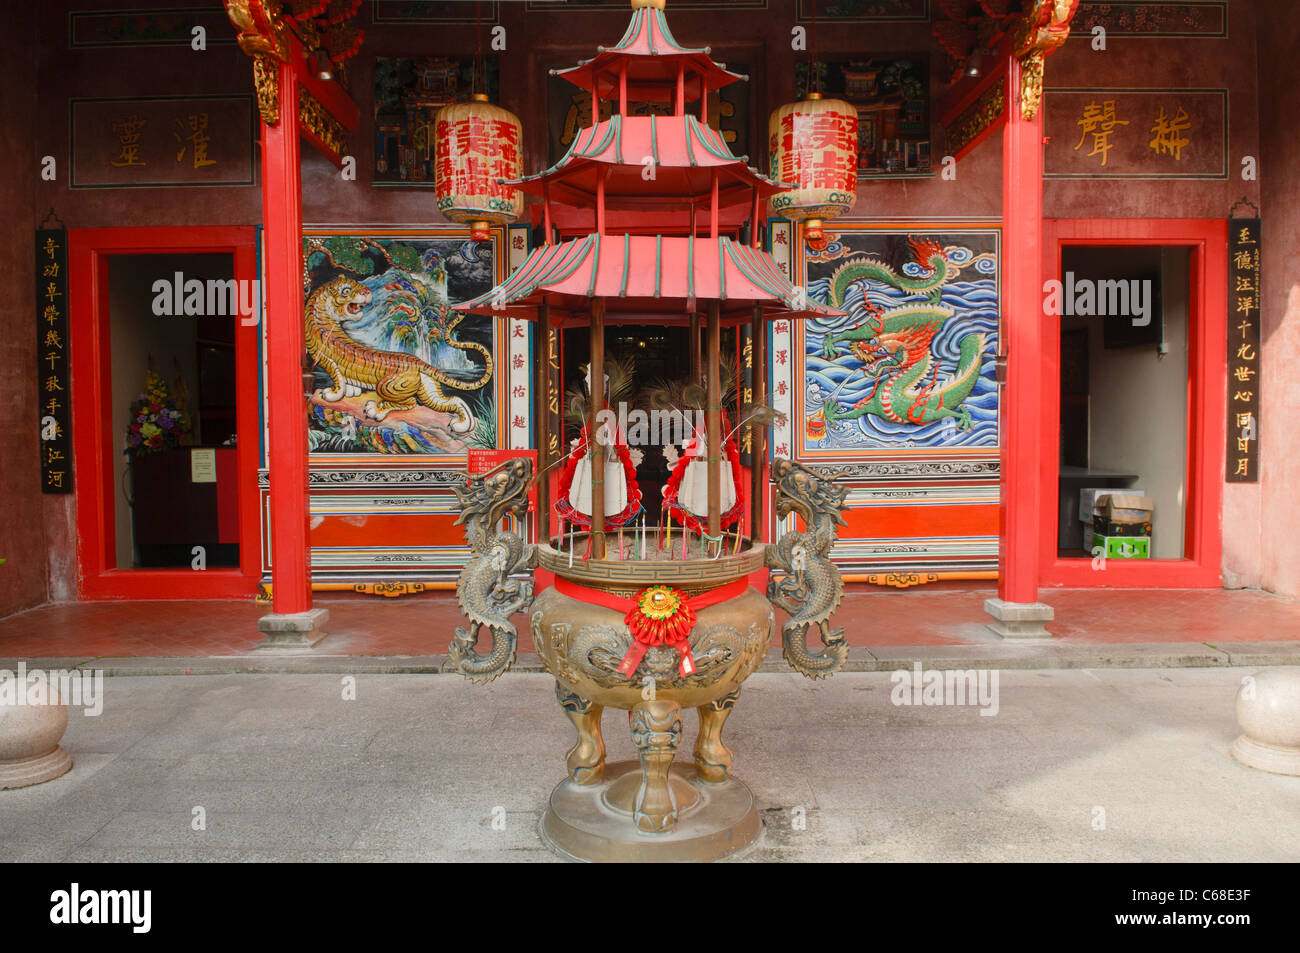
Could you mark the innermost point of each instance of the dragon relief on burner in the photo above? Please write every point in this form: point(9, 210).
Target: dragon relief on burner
point(487, 594)
point(809, 586)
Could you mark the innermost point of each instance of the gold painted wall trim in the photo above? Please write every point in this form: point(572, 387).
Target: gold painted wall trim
point(977, 117)
point(315, 118)
point(906, 580)
point(390, 590)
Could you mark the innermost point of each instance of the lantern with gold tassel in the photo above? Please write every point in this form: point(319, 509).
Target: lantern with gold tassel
point(814, 145)
point(477, 145)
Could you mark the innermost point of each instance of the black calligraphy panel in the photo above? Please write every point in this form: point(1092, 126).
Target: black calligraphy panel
point(1243, 350)
point(54, 414)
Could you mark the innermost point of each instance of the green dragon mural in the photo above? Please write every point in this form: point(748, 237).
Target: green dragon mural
point(894, 344)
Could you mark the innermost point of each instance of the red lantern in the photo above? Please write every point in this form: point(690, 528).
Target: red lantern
point(478, 144)
point(814, 145)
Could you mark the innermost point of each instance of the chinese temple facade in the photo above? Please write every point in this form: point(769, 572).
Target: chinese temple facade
point(1043, 334)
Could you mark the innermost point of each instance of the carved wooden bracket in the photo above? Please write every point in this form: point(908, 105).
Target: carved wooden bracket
point(264, 36)
point(273, 32)
point(1039, 33)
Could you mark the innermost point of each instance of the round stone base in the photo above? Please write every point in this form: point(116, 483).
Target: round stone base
point(1266, 757)
point(586, 822)
point(1268, 711)
point(28, 771)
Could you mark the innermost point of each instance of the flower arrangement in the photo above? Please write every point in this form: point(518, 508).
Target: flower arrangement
point(156, 424)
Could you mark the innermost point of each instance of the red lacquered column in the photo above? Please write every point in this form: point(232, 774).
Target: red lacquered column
point(292, 622)
point(1017, 608)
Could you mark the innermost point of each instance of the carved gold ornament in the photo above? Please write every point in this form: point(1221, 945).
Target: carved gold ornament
point(316, 119)
point(262, 31)
point(266, 83)
point(977, 117)
point(1040, 32)
point(390, 590)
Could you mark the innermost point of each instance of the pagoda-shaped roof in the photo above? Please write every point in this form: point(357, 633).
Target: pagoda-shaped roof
point(651, 56)
point(645, 278)
point(682, 153)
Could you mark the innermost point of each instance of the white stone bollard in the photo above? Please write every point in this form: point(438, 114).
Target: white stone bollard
point(29, 744)
point(1268, 710)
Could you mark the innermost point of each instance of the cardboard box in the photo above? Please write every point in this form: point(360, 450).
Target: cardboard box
point(1123, 547)
point(1124, 508)
point(1104, 527)
point(1089, 495)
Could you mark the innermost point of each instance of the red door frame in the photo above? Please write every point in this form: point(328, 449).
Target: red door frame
point(89, 251)
point(1201, 566)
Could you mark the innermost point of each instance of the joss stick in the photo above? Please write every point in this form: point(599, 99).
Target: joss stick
point(572, 541)
point(643, 536)
point(620, 542)
point(670, 535)
point(684, 555)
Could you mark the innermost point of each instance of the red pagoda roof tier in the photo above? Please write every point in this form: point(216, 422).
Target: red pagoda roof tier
point(651, 57)
point(646, 278)
point(651, 217)
point(685, 152)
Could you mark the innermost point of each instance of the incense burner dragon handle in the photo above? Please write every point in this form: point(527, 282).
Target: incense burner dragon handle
point(486, 592)
point(805, 583)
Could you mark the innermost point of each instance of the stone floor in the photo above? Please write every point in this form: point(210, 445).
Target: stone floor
point(872, 617)
point(1091, 765)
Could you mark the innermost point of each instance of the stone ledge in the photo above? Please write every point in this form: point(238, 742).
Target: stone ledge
point(1001, 655)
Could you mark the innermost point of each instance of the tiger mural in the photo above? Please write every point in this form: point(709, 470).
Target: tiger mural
point(399, 381)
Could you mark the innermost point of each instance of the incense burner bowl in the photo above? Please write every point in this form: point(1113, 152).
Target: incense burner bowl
point(580, 631)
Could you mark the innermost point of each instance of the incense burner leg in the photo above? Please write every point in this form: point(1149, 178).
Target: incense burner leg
point(586, 759)
point(656, 732)
point(712, 757)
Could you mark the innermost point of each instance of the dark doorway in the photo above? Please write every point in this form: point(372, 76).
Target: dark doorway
point(1124, 398)
point(173, 412)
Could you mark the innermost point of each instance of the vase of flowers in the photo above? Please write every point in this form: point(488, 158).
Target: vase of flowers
point(156, 423)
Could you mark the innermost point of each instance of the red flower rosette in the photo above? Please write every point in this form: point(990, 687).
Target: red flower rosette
point(660, 615)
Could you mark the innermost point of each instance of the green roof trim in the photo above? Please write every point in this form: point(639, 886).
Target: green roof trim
point(595, 268)
point(690, 267)
point(697, 129)
point(627, 255)
point(722, 272)
point(659, 259)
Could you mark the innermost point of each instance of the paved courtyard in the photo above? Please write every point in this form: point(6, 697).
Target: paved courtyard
point(1084, 764)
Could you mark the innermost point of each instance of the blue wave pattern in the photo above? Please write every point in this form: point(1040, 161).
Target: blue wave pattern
point(976, 305)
